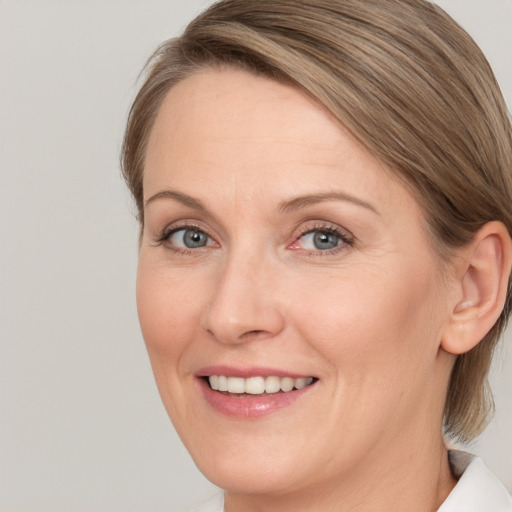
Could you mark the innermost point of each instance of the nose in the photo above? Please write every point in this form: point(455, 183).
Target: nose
point(244, 304)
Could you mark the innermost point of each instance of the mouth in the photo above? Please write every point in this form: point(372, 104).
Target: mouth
point(257, 385)
point(252, 393)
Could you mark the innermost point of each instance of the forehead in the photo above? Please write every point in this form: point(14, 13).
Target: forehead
point(230, 130)
point(218, 107)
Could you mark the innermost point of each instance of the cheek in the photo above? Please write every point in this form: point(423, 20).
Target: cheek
point(379, 333)
point(168, 315)
point(377, 317)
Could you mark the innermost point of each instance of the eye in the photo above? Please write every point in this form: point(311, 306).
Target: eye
point(324, 239)
point(320, 240)
point(189, 238)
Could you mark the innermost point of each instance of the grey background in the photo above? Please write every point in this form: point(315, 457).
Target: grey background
point(81, 424)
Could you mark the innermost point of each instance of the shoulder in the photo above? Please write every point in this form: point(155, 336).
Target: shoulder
point(478, 489)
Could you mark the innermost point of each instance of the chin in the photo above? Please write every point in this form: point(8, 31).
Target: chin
point(246, 466)
point(251, 476)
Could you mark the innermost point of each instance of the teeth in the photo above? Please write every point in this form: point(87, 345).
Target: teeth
point(236, 385)
point(223, 383)
point(287, 384)
point(301, 383)
point(272, 384)
point(214, 382)
point(257, 385)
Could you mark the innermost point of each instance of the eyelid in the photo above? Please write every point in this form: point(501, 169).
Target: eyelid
point(347, 239)
point(165, 234)
point(324, 226)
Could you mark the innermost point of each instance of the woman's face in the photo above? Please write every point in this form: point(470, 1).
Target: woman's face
point(277, 253)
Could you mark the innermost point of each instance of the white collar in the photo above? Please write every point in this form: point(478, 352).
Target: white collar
point(478, 490)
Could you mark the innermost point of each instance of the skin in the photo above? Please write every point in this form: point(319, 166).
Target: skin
point(366, 318)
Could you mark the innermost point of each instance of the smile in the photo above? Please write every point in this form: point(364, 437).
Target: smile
point(257, 385)
point(251, 394)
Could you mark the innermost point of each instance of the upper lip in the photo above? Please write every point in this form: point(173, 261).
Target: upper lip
point(245, 373)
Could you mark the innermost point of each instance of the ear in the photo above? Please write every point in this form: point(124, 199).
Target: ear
point(483, 271)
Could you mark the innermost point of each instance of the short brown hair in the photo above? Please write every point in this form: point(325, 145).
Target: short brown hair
point(407, 81)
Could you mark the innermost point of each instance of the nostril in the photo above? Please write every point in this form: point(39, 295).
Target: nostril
point(252, 333)
point(255, 334)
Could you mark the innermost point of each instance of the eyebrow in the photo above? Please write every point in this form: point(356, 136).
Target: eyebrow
point(297, 203)
point(301, 202)
point(179, 197)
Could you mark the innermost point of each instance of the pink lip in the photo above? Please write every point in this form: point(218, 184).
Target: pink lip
point(245, 373)
point(247, 406)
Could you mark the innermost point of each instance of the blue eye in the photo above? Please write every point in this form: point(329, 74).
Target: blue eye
point(189, 238)
point(320, 240)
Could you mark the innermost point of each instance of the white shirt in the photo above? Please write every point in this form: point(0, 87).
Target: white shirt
point(478, 490)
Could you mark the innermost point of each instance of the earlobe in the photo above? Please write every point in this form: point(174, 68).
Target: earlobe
point(484, 272)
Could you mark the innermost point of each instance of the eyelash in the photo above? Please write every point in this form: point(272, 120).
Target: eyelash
point(346, 239)
point(169, 231)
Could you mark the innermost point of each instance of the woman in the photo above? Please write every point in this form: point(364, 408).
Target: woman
point(325, 201)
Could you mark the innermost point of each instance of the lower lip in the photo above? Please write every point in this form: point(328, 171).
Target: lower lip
point(250, 406)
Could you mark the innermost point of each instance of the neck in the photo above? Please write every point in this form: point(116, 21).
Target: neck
point(416, 477)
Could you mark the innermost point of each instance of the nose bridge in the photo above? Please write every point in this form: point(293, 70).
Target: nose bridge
point(243, 305)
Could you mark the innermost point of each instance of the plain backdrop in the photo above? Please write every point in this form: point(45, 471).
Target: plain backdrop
point(81, 424)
